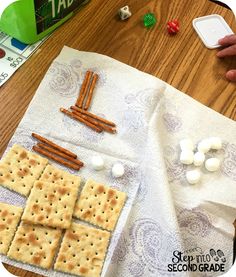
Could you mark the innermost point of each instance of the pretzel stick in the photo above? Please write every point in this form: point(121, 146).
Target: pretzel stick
point(58, 153)
point(84, 89)
point(96, 123)
point(90, 93)
point(78, 118)
point(107, 122)
point(55, 158)
point(52, 144)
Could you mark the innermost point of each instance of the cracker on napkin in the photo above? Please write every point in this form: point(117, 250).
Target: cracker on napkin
point(35, 245)
point(9, 219)
point(100, 205)
point(50, 204)
point(54, 175)
point(82, 251)
point(20, 169)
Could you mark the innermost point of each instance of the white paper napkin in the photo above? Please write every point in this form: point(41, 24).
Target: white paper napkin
point(163, 214)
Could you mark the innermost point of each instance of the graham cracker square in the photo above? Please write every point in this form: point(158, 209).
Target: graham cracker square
point(100, 205)
point(52, 174)
point(82, 251)
point(20, 169)
point(35, 245)
point(50, 204)
point(9, 219)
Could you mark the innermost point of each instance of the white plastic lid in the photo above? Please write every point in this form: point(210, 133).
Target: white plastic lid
point(211, 28)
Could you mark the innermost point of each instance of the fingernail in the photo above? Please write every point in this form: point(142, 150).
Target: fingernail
point(231, 75)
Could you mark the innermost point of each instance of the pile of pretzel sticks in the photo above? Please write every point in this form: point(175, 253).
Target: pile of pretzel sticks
point(80, 112)
point(57, 153)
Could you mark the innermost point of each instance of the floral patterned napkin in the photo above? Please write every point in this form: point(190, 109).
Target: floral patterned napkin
point(167, 227)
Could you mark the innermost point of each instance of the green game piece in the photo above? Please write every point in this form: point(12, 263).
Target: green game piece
point(149, 20)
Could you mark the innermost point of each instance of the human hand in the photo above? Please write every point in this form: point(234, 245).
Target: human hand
point(229, 42)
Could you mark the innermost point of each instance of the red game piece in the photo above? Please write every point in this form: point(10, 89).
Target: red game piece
point(2, 53)
point(173, 27)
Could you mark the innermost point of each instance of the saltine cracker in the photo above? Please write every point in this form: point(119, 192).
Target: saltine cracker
point(54, 175)
point(35, 245)
point(100, 205)
point(9, 219)
point(82, 251)
point(50, 204)
point(19, 169)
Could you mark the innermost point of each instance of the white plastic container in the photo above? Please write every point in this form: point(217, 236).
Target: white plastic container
point(211, 28)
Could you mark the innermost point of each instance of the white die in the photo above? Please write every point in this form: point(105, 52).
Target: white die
point(124, 13)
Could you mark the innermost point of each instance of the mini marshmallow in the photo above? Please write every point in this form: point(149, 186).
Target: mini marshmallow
point(204, 146)
point(186, 144)
point(193, 176)
point(97, 162)
point(118, 170)
point(212, 164)
point(216, 143)
point(198, 158)
point(186, 157)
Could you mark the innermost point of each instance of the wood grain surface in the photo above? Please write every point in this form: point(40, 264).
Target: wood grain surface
point(181, 60)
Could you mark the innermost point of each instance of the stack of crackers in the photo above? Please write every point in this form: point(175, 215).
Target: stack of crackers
point(44, 233)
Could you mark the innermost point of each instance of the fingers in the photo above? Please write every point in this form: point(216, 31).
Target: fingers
point(228, 40)
point(231, 75)
point(229, 51)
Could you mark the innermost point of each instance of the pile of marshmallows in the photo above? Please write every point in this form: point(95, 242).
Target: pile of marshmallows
point(198, 157)
point(117, 170)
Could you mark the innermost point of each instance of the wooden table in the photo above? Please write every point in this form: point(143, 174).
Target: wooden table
point(181, 60)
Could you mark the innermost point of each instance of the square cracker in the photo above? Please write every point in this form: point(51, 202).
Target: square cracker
point(82, 251)
point(50, 205)
point(20, 169)
point(9, 219)
point(100, 205)
point(54, 175)
point(35, 245)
